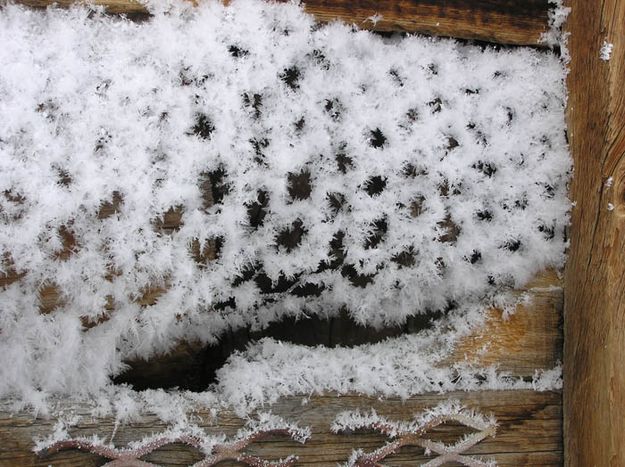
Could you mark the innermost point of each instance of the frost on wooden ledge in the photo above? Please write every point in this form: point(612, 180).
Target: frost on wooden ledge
point(218, 448)
point(413, 434)
point(215, 448)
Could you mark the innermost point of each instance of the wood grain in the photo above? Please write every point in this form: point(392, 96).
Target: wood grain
point(502, 21)
point(528, 339)
point(130, 7)
point(594, 328)
point(529, 431)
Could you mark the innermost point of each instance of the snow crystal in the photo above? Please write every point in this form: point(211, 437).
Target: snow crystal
point(355, 420)
point(548, 380)
point(248, 164)
point(415, 433)
point(216, 448)
point(375, 19)
point(606, 51)
point(556, 36)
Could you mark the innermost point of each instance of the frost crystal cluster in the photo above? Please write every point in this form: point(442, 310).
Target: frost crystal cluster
point(242, 164)
point(606, 51)
point(415, 433)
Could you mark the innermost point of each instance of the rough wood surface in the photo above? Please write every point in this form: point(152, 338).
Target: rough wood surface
point(528, 339)
point(129, 7)
point(594, 328)
point(503, 21)
point(529, 431)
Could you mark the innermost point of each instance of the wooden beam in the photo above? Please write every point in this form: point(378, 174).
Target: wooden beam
point(594, 329)
point(529, 431)
point(501, 21)
point(127, 7)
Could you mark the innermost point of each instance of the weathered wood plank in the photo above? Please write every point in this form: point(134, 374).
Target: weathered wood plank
point(128, 7)
point(502, 21)
point(530, 422)
point(529, 431)
point(594, 333)
point(528, 339)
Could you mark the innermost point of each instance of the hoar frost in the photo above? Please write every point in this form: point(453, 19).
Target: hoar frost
point(606, 51)
point(252, 165)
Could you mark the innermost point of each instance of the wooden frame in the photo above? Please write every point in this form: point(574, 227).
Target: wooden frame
point(594, 389)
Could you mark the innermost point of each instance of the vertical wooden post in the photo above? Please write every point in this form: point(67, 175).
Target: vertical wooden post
point(594, 329)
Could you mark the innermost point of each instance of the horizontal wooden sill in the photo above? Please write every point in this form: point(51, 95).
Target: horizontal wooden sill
point(529, 431)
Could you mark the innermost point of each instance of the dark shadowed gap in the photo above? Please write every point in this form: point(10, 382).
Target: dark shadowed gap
point(193, 367)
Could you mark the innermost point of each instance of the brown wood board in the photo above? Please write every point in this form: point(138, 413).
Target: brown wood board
point(529, 431)
point(594, 329)
point(526, 340)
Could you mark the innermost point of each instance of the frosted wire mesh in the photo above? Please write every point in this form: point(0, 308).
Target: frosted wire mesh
point(251, 164)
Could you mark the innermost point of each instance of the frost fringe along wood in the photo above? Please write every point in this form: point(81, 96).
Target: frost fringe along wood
point(528, 431)
point(501, 21)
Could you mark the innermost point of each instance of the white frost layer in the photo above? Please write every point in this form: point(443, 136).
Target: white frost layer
point(207, 443)
point(399, 367)
point(556, 36)
point(467, 143)
point(356, 420)
point(416, 433)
